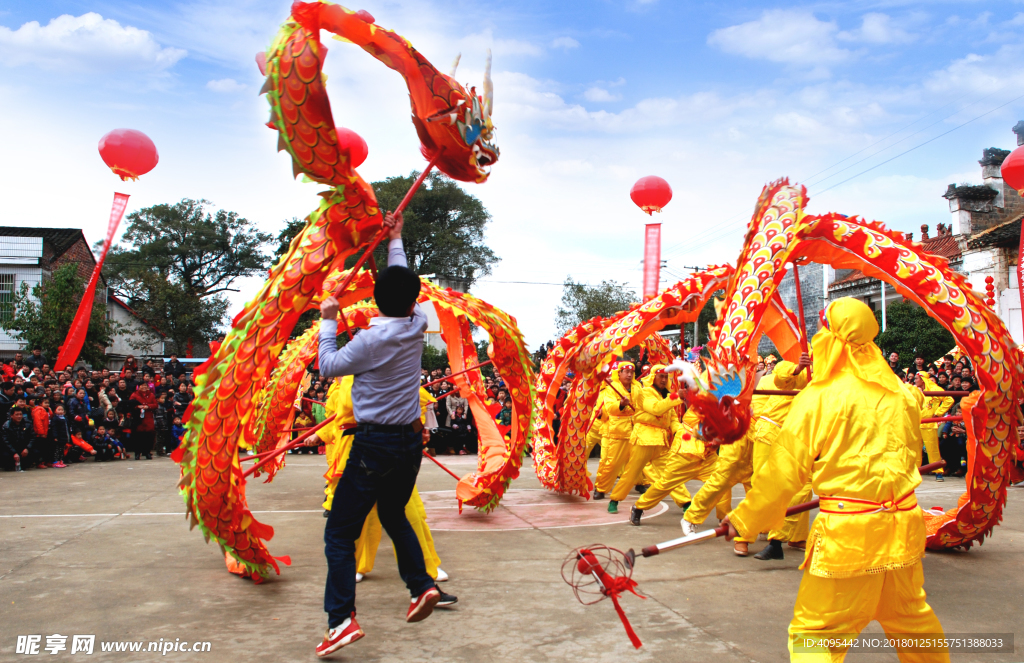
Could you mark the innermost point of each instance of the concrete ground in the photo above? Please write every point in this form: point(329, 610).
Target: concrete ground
point(104, 549)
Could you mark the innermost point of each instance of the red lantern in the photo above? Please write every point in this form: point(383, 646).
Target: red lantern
point(1012, 170)
point(129, 153)
point(351, 142)
point(651, 193)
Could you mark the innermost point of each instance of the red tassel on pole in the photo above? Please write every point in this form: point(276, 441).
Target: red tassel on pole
point(80, 325)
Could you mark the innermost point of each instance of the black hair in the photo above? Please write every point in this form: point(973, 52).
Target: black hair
point(7, 385)
point(396, 289)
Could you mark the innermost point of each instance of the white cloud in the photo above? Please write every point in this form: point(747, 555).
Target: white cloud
point(226, 85)
point(877, 29)
point(565, 43)
point(480, 42)
point(1002, 70)
point(788, 36)
point(85, 43)
point(599, 95)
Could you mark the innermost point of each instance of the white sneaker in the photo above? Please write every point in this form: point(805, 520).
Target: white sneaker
point(688, 527)
point(441, 576)
point(359, 577)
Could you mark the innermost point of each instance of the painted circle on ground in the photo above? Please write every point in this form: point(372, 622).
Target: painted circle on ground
point(524, 509)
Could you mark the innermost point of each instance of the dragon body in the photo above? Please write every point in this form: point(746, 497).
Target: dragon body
point(236, 382)
point(780, 233)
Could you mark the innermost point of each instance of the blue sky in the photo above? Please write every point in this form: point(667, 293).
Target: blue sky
point(718, 98)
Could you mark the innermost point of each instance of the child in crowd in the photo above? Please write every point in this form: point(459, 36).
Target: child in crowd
point(60, 435)
point(177, 432)
point(103, 444)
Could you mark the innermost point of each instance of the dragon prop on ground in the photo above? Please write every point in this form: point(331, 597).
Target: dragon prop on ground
point(779, 234)
point(455, 130)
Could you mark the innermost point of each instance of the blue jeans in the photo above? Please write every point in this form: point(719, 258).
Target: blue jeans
point(381, 470)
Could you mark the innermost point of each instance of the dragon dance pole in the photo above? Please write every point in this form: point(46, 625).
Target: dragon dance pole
point(794, 392)
point(384, 231)
point(448, 377)
point(270, 455)
point(800, 305)
point(439, 464)
point(721, 530)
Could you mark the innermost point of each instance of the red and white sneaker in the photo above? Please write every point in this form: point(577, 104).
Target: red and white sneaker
point(339, 636)
point(423, 605)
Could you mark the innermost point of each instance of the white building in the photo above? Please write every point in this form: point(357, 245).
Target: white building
point(30, 255)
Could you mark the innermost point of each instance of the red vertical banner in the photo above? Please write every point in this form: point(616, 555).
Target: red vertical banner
point(652, 260)
point(80, 325)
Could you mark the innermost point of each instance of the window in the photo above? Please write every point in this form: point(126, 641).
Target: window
point(6, 296)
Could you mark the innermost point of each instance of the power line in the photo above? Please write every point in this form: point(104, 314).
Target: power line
point(724, 231)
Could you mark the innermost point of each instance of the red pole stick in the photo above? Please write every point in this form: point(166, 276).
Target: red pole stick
point(298, 442)
point(800, 305)
point(384, 231)
point(314, 401)
point(935, 420)
point(721, 530)
point(794, 392)
point(438, 463)
point(448, 377)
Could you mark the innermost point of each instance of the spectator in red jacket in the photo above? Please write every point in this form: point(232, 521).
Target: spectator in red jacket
point(41, 429)
point(143, 405)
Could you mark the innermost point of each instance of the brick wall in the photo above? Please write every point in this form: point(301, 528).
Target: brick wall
point(79, 254)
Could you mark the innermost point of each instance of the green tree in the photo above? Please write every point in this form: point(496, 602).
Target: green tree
point(444, 228)
point(582, 302)
point(42, 317)
point(176, 262)
point(287, 234)
point(909, 330)
point(433, 358)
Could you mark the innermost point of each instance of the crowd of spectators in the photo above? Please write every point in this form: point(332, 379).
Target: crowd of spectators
point(50, 418)
point(949, 374)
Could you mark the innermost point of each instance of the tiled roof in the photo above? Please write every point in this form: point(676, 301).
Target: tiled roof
point(1005, 234)
point(942, 245)
point(855, 275)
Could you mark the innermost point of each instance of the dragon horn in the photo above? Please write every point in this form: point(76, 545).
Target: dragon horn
point(488, 87)
point(455, 65)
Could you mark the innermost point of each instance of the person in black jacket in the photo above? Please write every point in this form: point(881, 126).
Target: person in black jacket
point(36, 359)
point(60, 435)
point(18, 439)
point(182, 399)
point(174, 367)
point(163, 415)
point(6, 399)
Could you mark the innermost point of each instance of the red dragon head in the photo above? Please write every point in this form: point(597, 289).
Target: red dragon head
point(449, 119)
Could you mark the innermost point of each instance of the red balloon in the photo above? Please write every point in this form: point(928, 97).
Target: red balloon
point(353, 143)
point(129, 153)
point(651, 193)
point(1012, 169)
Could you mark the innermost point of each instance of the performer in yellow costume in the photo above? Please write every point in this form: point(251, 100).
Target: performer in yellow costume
point(934, 406)
point(654, 426)
point(339, 442)
point(770, 414)
point(688, 458)
point(616, 410)
point(852, 432)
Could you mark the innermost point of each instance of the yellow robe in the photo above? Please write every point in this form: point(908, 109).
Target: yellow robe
point(769, 418)
point(934, 406)
point(618, 427)
point(339, 401)
point(654, 426)
point(687, 459)
point(852, 433)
